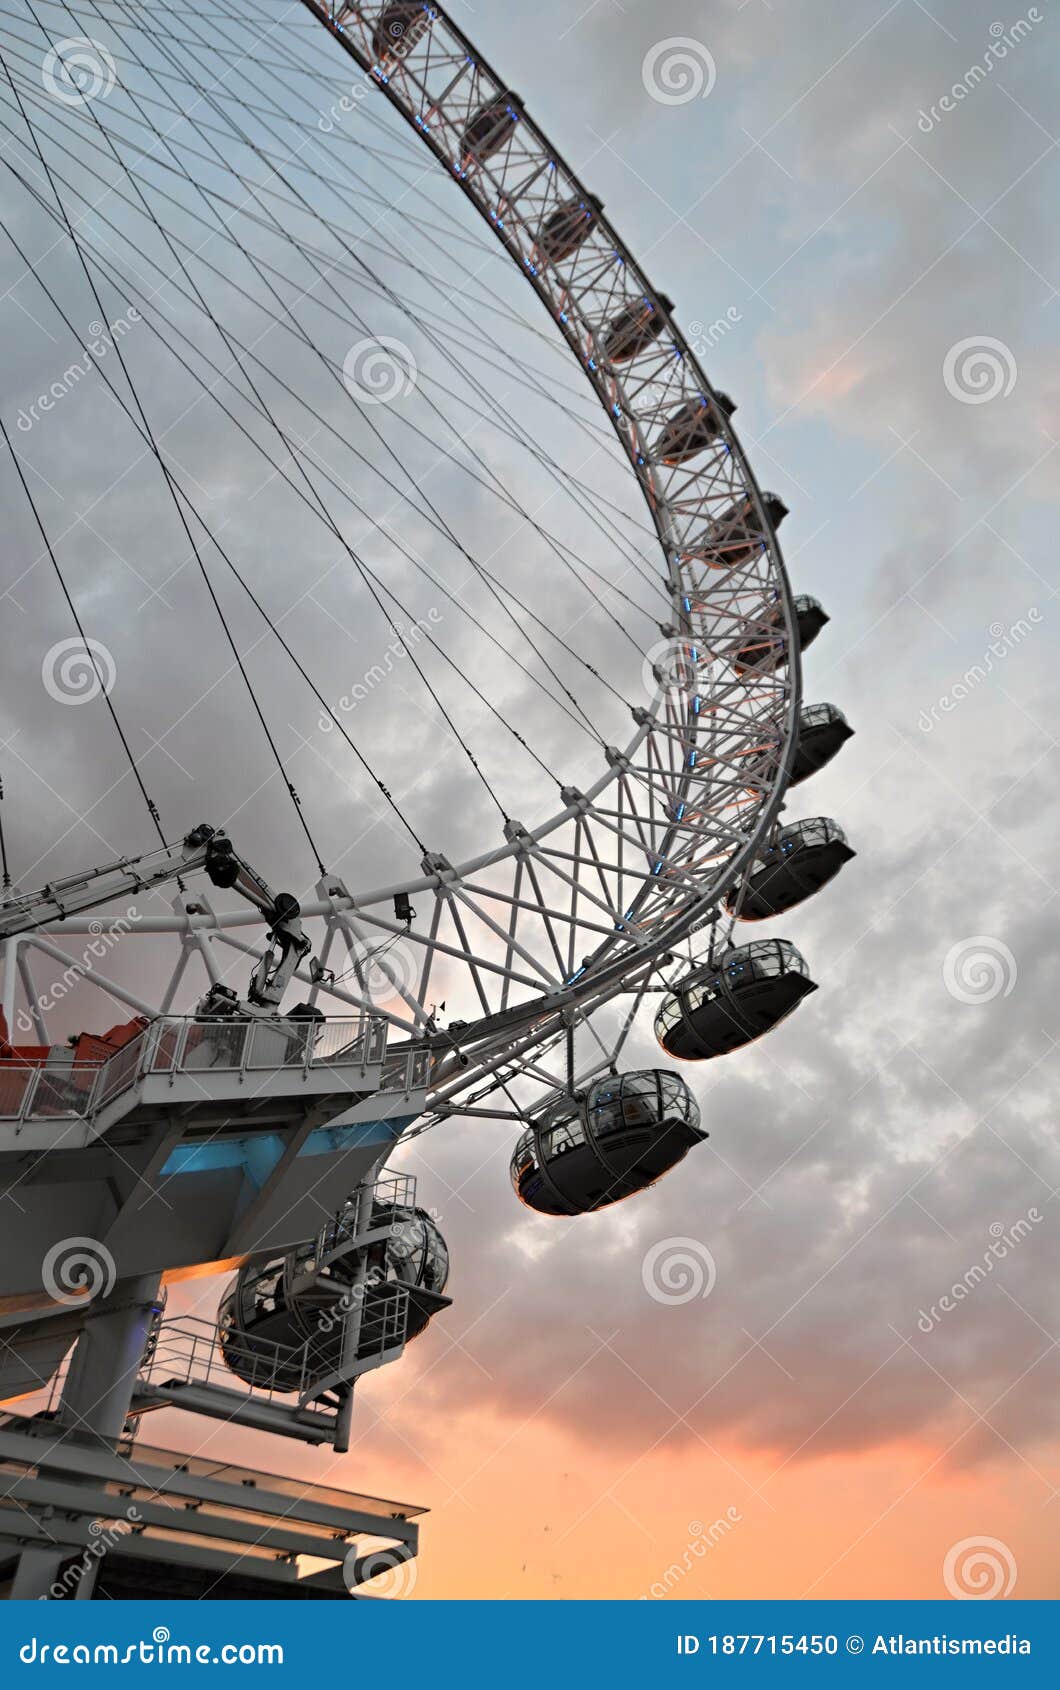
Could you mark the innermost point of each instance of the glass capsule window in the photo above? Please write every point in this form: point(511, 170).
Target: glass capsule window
point(524, 1157)
point(263, 1290)
point(435, 1274)
point(651, 1100)
point(678, 1100)
point(404, 1249)
point(697, 992)
point(763, 959)
point(564, 1136)
point(668, 1015)
point(563, 1117)
point(629, 1100)
point(814, 830)
point(417, 1253)
point(605, 1109)
point(816, 715)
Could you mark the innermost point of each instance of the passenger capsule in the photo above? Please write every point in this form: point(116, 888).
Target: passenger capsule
point(564, 230)
point(273, 1308)
point(823, 730)
point(737, 535)
point(811, 617)
point(492, 125)
point(728, 1002)
point(801, 859)
point(585, 1152)
point(694, 426)
point(635, 327)
point(399, 27)
point(764, 648)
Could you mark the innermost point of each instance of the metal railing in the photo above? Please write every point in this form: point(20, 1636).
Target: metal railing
point(407, 1070)
point(393, 1195)
point(43, 1093)
point(138, 1505)
point(121, 1071)
point(174, 1045)
point(187, 1350)
point(392, 1203)
point(192, 1351)
point(227, 1045)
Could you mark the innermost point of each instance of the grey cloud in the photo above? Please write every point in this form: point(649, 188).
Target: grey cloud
point(886, 1127)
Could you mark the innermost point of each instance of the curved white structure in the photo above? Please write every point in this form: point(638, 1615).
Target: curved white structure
point(561, 915)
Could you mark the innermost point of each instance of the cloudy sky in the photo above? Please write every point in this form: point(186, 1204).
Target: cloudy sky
point(855, 206)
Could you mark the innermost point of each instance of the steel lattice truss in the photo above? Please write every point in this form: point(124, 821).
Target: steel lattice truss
point(560, 918)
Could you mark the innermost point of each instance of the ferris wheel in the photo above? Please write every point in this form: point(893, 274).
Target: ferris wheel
point(197, 188)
